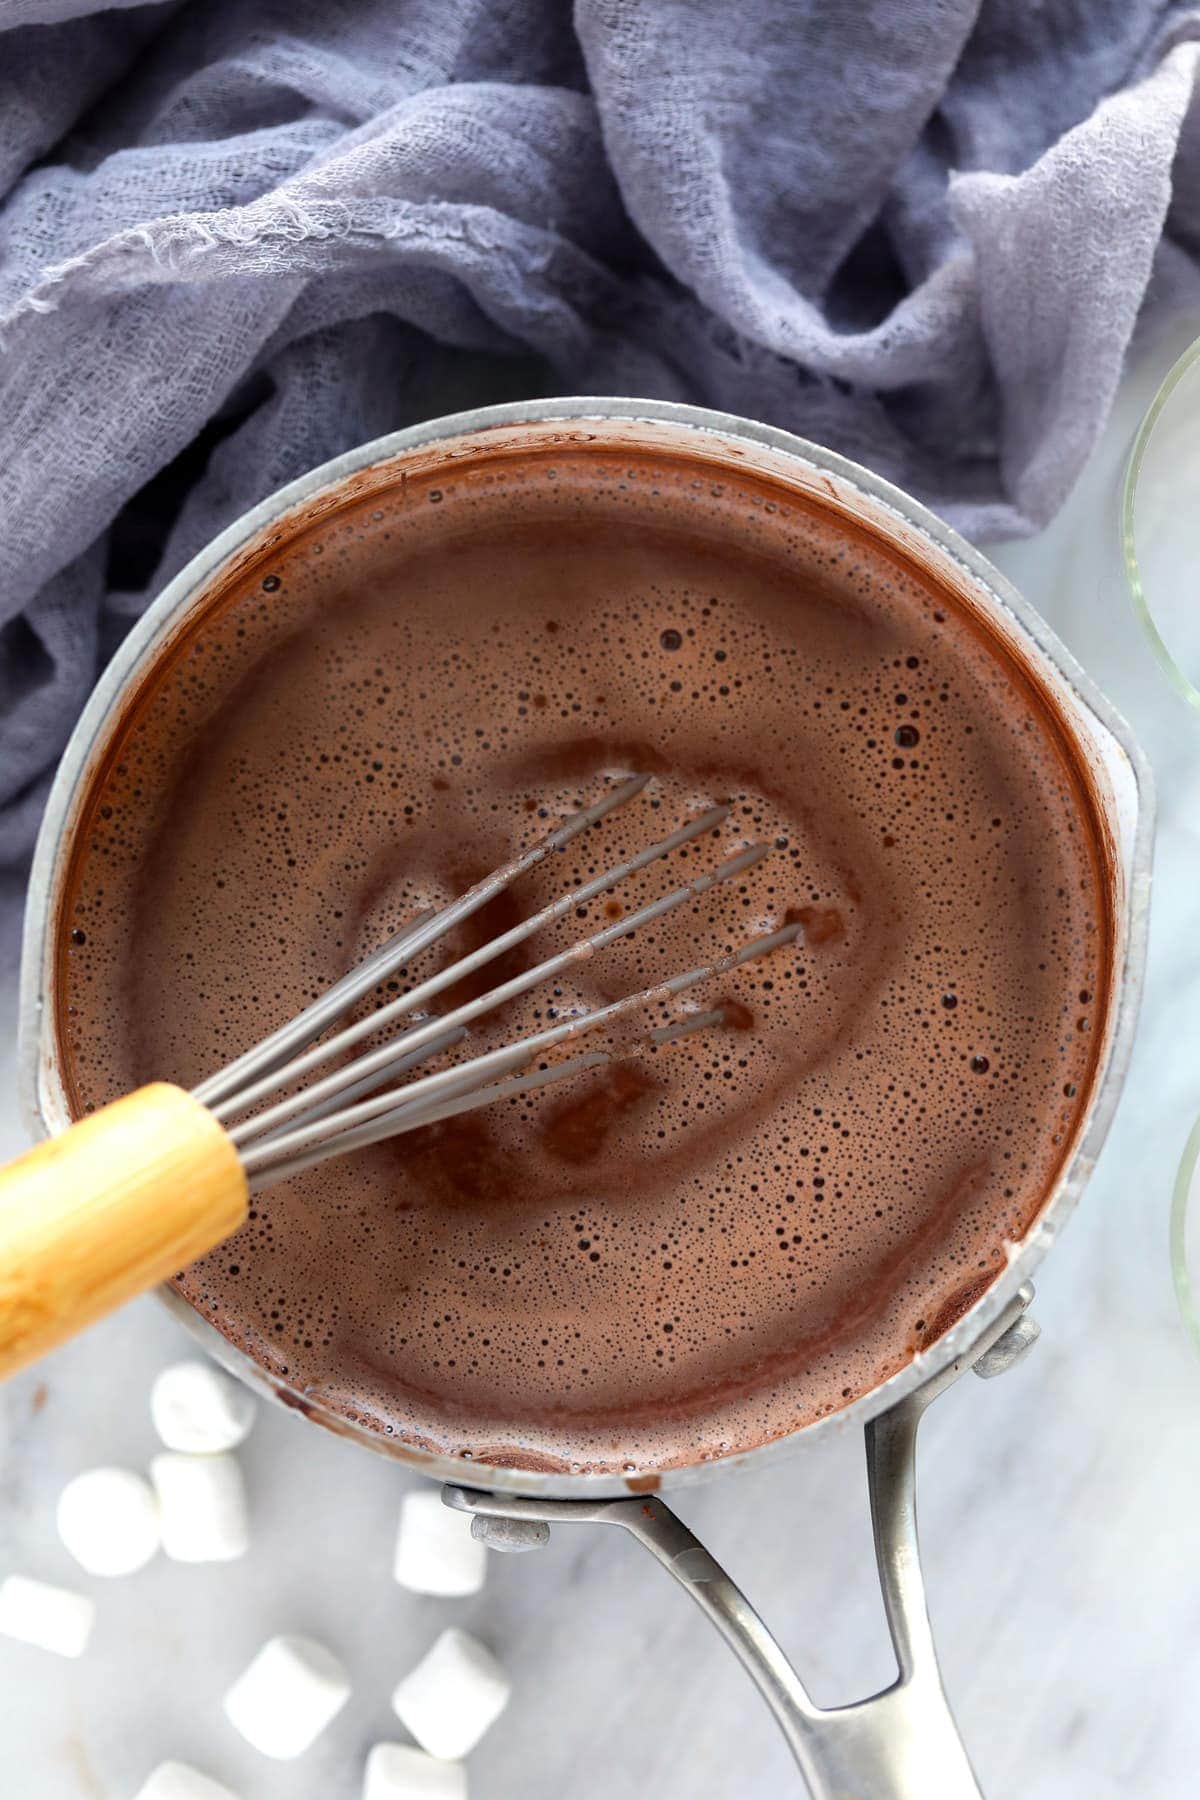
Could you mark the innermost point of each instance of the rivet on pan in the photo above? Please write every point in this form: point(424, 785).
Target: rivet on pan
point(1009, 1348)
point(511, 1535)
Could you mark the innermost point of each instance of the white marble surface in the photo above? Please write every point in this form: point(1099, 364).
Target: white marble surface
point(1060, 1505)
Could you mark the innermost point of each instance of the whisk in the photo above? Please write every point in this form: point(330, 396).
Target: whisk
point(134, 1192)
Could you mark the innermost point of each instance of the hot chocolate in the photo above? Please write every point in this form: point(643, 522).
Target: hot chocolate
point(708, 1244)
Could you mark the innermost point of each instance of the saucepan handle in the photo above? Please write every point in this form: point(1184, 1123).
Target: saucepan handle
point(901, 1744)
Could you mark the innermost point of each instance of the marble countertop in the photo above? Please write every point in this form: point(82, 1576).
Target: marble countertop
point(1060, 1506)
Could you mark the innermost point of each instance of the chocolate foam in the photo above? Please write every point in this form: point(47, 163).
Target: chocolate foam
point(708, 1245)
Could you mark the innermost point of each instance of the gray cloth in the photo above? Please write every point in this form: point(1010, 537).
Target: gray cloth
point(238, 238)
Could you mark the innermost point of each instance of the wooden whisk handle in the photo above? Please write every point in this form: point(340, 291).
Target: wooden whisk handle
point(114, 1205)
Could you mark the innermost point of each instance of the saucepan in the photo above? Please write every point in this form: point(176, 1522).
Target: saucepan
point(902, 1743)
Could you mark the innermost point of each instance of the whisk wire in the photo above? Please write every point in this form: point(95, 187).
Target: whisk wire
point(407, 1112)
point(465, 1014)
point(377, 1130)
point(371, 1081)
point(359, 1103)
point(423, 931)
point(287, 1074)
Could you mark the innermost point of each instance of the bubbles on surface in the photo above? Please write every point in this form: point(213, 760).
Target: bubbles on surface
point(709, 1242)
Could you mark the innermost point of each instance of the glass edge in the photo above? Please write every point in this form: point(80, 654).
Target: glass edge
point(1184, 1292)
point(1129, 491)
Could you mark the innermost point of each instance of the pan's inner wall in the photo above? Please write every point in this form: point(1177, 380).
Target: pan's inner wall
point(706, 1246)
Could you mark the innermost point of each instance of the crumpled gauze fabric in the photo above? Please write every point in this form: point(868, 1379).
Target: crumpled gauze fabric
point(240, 236)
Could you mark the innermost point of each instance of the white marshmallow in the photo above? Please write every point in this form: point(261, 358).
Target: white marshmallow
point(202, 1503)
point(455, 1692)
point(435, 1552)
point(176, 1781)
point(198, 1408)
point(108, 1520)
point(287, 1696)
point(53, 1618)
point(398, 1772)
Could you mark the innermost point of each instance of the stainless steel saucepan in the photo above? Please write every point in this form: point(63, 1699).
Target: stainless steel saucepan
point(902, 1743)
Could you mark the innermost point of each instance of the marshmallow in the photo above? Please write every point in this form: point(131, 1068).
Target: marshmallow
point(203, 1506)
point(108, 1520)
point(455, 1692)
point(198, 1408)
point(287, 1696)
point(398, 1772)
point(435, 1552)
point(176, 1781)
point(53, 1618)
